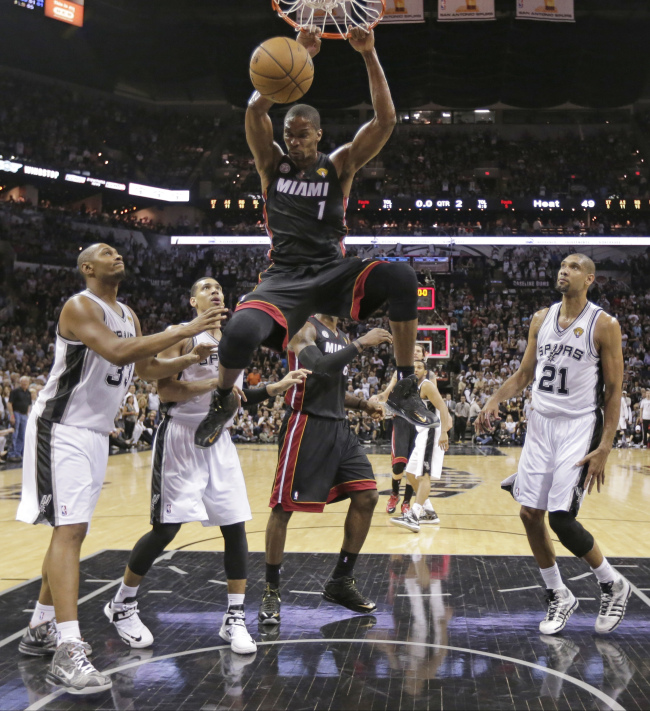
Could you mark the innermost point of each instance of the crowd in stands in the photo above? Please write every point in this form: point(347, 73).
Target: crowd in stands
point(75, 130)
point(56, 127)
point(488, 320)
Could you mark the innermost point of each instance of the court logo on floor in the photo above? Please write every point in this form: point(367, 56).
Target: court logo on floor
point(452, 482)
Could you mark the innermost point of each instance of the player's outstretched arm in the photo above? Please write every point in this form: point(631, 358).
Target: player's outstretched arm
point(372, 136)
point(253, 396)
point(83, 320)
point(303, 344)
point(517, 382)
point(607, 339)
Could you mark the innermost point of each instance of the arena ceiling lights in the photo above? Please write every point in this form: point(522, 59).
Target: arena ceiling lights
point(444, 241)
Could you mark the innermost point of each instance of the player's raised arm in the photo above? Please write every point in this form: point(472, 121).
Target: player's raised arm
point(373, 135)
point(517, 382)
point(83, 320)
point(259, 136)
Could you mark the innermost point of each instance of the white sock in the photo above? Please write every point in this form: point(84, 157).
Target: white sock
point(552, 578)
point(605, 573)
point(67, 631)
point(42, 613)
point(236, 599)
point(428, 506)
point(125, 591)
point(417, 509)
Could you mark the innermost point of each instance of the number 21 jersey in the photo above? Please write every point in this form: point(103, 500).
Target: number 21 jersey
point(84, 389)
point(568, 378)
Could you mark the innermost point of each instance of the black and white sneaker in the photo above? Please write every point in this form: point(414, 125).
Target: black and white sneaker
point(561, 605)
point(428, 516)
point(221, 409)
point(233, 630)
point(404, 401)
point(269, 613)
point(407, 520)
point(40, 641)
point(344, 591)
point(127, 622)
point(613, 601)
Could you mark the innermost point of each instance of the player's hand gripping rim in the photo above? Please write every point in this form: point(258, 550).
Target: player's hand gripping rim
point(309, 38)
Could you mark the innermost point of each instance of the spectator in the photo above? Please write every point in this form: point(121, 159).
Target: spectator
point(19, 406)
point(462, 414)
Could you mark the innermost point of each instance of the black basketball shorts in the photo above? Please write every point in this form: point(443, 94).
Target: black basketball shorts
point(292, 294)
point(320, 461)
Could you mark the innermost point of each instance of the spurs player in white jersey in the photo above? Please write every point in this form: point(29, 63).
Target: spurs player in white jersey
point(98, 344)
point(575, 360)
point(425, 460)
point(195, 484)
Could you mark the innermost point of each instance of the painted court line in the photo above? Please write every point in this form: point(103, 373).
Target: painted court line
point(640, 594)
point(97, 580)
point(423, 595)
point(582, 575)
point(607, 700)
point(160, 592)
point(625, 566)
point(585, 598)
point(217, 582)
point(528, 587)
point(176, 570)
point(304, 592)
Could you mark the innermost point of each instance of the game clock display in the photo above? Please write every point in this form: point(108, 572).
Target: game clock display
point(426, 298)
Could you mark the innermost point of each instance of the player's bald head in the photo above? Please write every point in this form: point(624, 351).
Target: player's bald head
point(87, 255)
point(305, 111)
point(586, 263)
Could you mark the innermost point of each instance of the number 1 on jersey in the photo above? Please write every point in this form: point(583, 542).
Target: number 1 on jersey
point(321, 209)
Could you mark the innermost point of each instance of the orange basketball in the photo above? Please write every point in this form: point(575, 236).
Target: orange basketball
point(281, 70)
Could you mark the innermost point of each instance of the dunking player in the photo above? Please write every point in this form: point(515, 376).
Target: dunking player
point(320, 459)
point(425, 459)
point(573, 349)
point(305, 198)
point(192, 484)
point(66, 448)
point(402, 443)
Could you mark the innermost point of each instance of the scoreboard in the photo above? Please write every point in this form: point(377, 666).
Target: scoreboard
point(426, 298)
point(69, 11)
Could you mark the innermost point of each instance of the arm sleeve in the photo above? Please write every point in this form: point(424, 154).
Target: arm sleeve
point(314, 360)
point(255, 395)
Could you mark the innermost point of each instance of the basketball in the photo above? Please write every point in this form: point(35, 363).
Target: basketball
point(281, 70)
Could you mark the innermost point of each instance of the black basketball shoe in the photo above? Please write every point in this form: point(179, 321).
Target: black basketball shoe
point(405, 402)
point(344, 591)
point(269, 613)
point(222, 408)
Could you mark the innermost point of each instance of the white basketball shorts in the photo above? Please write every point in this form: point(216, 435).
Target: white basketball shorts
point(63, 473)
point(192, 484)
point(547, 477)
point(426, 457)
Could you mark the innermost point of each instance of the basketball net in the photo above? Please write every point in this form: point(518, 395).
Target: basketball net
point(334, 18)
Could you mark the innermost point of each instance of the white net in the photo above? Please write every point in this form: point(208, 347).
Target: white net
point(332, 17)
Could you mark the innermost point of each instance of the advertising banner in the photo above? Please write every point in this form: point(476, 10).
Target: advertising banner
point(549, 10)
point(457, 10)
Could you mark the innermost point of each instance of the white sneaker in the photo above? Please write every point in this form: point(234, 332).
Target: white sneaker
point(561, 605)
point(124, 615)
point(407, 520)
point(71, 670)
point(233, 630)
point(613, 601)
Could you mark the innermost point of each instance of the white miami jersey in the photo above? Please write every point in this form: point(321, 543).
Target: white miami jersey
point(84, 389)
point(192, 411)
point(568, 378)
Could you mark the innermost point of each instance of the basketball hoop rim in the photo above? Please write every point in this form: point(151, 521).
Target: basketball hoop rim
point(326, 35)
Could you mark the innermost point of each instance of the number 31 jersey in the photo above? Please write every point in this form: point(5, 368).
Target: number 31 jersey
point(568, 378)
point(84, 389)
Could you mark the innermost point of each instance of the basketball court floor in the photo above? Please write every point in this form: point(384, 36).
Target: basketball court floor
point(458, 605)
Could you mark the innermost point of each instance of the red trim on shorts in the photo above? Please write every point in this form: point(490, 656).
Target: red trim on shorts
point(347, 486)
point(287, 461)
point(296, 393)
point(270, 309)
point(360, 288)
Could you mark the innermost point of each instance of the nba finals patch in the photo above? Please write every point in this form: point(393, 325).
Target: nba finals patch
point(285, 167)
point(578, 331)
point(322, 172)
